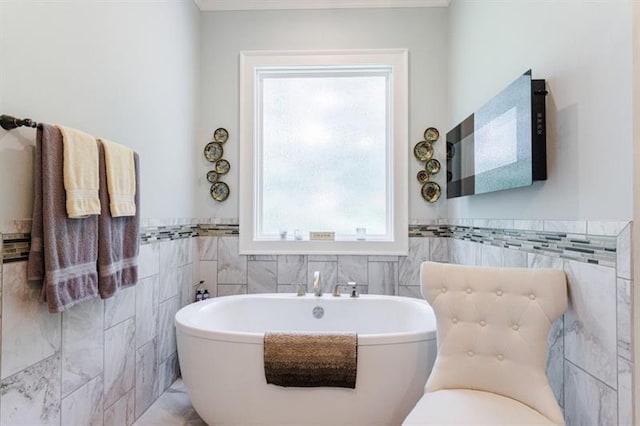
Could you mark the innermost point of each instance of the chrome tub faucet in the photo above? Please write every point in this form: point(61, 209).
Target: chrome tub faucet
point(317, 288)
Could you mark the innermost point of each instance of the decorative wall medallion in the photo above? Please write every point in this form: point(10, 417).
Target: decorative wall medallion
point(212, 176)
point(213, 151)
point(422, 176)
point(431, 134)
point(432, 166)
point(220, 135)
point(423, 151)
point(431, 191)
point(219, 191)
point(222, 167)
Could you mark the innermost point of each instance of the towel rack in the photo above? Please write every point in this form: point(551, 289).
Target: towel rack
point(9, 122)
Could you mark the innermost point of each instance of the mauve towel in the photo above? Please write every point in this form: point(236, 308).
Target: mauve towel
point(64, 251)
point(118, 240)
point(35, 263)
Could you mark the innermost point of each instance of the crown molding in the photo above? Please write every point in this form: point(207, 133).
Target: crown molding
point(223, 5)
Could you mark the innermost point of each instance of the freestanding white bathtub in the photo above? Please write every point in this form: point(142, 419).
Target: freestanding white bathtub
point(220, 347)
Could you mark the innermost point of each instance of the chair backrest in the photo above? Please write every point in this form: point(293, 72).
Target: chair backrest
point(492, 327)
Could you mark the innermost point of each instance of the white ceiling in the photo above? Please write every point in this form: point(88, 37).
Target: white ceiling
point(211, 5)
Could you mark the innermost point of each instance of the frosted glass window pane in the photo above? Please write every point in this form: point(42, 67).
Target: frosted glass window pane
point(324, 154)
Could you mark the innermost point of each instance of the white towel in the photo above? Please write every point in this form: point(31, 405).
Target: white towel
point(121, 178)
point(80, 171)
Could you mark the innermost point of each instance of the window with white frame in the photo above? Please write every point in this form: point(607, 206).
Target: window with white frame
point(323, 152)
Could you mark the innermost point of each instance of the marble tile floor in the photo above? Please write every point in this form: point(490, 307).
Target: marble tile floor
point(173, 408)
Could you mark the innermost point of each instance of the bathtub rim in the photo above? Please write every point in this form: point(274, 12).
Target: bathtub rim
point(364, 339)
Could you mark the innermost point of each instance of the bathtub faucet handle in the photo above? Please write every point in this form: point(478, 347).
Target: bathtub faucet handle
point(354, 289)
point(336, 291)
point(302, 290)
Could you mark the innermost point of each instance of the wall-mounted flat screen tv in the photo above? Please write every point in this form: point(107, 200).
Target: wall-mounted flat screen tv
point(503, 144)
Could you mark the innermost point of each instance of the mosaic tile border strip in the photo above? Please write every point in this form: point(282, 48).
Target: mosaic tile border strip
point(429, 231)
point(15, 247)
point(218, 230)
point(598, 250)
point(150, 234)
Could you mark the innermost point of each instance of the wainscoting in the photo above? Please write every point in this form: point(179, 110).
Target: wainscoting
point(102, 361)
point(106, 362)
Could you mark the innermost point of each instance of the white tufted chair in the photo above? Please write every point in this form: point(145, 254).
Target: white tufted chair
point(492, 345)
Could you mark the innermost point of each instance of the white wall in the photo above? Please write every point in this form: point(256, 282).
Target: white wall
point(583, 50)
point(225, 34)
point(126, 71)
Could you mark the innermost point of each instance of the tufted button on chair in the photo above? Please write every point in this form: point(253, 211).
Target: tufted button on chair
point(493, 374)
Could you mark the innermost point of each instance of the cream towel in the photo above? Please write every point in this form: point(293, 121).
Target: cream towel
point(121, 178)
point(80, 168)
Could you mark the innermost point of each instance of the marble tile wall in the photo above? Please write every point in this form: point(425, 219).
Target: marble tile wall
point(589, 348)
point(105, 362)
point(102, 362)
point(589, 364)
point(553, 238)
point(223, 271)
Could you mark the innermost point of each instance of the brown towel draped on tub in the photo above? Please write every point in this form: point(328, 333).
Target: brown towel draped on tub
point(311, 359)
